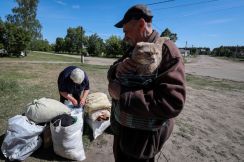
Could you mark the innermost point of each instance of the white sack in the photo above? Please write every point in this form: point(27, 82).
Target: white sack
point(44, 109)
point(67, 141)
point(98, 127)
point(21, 138)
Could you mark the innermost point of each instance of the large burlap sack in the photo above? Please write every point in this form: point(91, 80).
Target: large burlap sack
point(97, 101)
point(44, 109)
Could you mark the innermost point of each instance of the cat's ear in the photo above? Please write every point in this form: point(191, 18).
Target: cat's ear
point(139, 44)
point(161, 41)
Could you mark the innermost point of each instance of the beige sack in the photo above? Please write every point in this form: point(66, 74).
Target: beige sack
point(97, 101)
point(44, 109)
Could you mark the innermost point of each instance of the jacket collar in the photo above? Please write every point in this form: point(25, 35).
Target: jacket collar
point(153, 37)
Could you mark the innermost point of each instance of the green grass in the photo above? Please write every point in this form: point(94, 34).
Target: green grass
point(201, 82)
point(235, 59)
point(21, 83)
point(38, 56)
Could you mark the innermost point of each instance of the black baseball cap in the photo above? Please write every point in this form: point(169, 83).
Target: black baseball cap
point(135, 12)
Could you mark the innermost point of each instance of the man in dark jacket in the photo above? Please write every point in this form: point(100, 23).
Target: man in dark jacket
point(73, 85)
point(142, 116)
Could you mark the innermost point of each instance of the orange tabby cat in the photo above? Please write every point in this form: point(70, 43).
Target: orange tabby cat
point(148, 56)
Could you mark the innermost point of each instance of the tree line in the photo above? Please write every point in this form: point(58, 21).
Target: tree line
point(76, 42)
point(222, 51)
point(21, 31)
point(229, 51)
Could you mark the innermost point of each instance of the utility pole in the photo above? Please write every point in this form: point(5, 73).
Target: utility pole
point(236, 51)
point(185, 49)
point(82, 55)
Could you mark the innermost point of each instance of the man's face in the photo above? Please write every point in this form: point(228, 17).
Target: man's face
point(132, 32)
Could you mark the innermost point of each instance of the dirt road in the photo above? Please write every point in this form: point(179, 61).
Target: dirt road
point(210, 127)
point(87, 60)
point(201, 65)
point(217, 68)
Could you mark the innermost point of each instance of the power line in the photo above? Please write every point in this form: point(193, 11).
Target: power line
point(159, 2)
point(188, 4)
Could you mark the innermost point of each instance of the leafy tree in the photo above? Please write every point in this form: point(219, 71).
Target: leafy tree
point(15, 39)
point(95, 45)
point(25, 16)
point(52, 47)
point(2, 29)
point(114, 46)
point(80, 34)
point(59, 45)
point(168, 33)
point(40, 45)
point(74, 39)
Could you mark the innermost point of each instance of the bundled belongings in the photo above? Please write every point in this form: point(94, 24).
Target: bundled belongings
point(100, 115)
point(98, 127)
point(44, 109)
point(21, 138)
point(98, 106)
point(66, 133)
point(97, 110)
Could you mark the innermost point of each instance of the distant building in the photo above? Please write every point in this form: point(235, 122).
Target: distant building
point(241, 53)
point(184, 52)
point(3, 52)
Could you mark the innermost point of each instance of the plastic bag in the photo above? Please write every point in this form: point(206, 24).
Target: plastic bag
point(21, 138)
point(67, 141)
point(98, 127)
point(73, 109)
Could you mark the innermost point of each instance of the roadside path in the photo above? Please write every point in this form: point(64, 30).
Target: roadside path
point(216, 67)
point(87, 60)
point(202, 65)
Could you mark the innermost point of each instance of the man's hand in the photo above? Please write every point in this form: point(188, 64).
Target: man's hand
point(126, 66)
point(74, 102)
point(82, 101)
point(69, 97)
point(114, 90)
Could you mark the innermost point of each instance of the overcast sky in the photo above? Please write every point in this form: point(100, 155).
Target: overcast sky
point(205, 23)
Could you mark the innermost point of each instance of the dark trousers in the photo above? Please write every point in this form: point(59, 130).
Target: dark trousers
point(76, 96)
point(146, 142)
point(119, 156)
